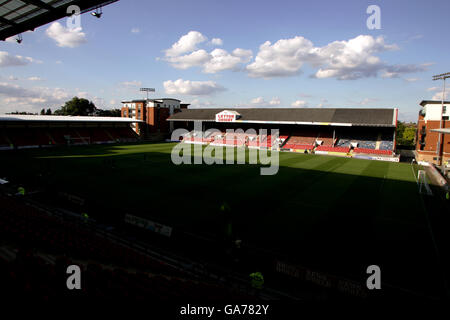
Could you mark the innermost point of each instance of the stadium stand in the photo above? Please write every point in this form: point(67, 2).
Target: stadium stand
point(325, 139)
point(298, 146)
point(363, 140)
point(300, 140)
point(333, 149)
point(19, 131)
point(30, 276)
point(303, 138)
point(372, 151)
point(111, 270)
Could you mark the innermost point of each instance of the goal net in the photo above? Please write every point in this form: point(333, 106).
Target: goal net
point(78, 140)
point(424, 187)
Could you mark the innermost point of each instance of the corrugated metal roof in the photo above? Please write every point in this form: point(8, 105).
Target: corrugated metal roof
point(17, 117)
point(17, 16)
point(354, 116)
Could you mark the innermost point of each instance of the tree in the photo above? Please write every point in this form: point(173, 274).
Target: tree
point(406, 133)
point(108, 113)
point(77, 107)
point(409, 135)
point(22, 113)
point(48, 112)
point(42, 112)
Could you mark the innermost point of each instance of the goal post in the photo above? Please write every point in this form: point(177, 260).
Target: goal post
point(424, 187)
point(77, 140)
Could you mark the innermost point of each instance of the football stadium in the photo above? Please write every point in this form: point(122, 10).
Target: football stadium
point(320, 221)
point(170, 203)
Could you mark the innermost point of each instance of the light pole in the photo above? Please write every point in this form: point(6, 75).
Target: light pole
point(147, 90)
point(442, 76)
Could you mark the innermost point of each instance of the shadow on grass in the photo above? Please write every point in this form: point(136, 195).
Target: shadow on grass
point(335, 222)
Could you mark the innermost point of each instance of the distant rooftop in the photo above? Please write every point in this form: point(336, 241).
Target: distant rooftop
point(18, 117)
point(152, 100)
point(425, 102)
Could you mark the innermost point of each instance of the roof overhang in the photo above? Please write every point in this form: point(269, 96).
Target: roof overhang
point(39, 118)
point(295, 123)
point(17, 16)
point(343, 117)
point(423, 103)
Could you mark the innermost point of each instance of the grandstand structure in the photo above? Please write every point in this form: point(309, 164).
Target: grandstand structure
point(433, 118)
point(349, 132)
point(18, 16)
point(34, 131)
point(48, 242)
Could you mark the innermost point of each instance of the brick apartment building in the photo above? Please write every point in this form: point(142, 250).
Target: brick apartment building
point(427, 138)
point(153, 113)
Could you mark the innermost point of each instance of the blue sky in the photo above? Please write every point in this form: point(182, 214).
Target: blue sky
point(234, 54)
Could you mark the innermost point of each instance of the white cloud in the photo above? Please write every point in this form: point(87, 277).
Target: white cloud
point(196, 58)
point(13, 78)
point(15, 97)
point(284, 58)
point(8, 60)
point(260, 102)
point(244, 54)
point(367, 101)
point(34, 78)
point(184, 54)
point(352, 59)
point(65, 37)
point(438, 95)
point(216, 61)
point(135, 30)
point(195, 88)
point(221, 60)
point(133, 83)
point(323, 103)
point(395, 71)
point(299, 103)
point(364, 102)
point(217, 41)
point(186, 43)
point(275, 101)
point(343, 60)
point(197, 103)
point(412, 79)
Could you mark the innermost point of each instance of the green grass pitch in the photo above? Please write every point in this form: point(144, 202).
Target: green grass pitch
point(335, 214)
